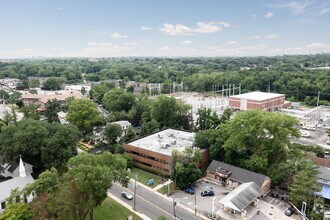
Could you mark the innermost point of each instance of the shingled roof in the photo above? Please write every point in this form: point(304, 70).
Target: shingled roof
point(238, 174)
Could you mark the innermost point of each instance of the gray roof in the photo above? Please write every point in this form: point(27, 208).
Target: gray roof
point(13, 167)
point(237, 173)
point(17, 182)
point(324, 173)
point(242, 196)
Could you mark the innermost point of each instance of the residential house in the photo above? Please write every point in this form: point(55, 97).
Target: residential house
point(97, 136)
point(125, 125)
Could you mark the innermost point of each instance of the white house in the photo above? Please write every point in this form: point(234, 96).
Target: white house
point(19, 179)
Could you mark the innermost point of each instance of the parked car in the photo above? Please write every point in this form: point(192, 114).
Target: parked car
point(190, 190)
point(127, 195)
point(207, 193)
point(274, 194)
point(289, 211)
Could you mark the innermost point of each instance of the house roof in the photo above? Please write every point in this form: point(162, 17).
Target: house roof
point(321, 161)
point(17, 182)
point(122, 123)
point(60, 95)
point(242, 196)
point(324, 173)
point(237, 173)
point(13, 167)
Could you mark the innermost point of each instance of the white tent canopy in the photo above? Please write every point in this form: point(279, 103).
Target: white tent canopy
point(241, 197)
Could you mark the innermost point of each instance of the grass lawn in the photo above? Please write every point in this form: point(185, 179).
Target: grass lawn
point(164, 189)
point(144, 177)
point(112, 210)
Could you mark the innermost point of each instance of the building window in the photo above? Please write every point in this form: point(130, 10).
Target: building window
point(3, 205)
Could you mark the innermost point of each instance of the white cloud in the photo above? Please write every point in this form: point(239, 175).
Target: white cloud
point(201, 27)
point(269, 36)
point(324, 11)
point(295, 6)
point(232, 42)
point(186, 42)
point(145, 28)
point(269, 15)
point(116, 35)
point(101, 32)
point(60, 8)
point(255, 37)
point(131, 44)
point(317, 46)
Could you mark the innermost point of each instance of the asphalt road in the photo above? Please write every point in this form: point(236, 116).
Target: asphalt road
point(150, 203)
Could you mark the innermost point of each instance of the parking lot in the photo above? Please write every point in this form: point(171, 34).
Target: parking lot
point(203, 204)
point(271, 208)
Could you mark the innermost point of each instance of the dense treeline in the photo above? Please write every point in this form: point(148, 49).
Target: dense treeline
point(292, 75)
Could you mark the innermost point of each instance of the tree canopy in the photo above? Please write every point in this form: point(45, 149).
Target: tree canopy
point(39, 143)
point(84, 114)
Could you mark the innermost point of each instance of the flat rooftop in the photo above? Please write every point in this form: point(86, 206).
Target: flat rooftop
point(258, 96)
point(165, 141)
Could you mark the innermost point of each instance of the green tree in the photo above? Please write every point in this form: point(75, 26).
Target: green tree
point(41, 144)
point(117, 100)
point(258, 133)
point(113, 132)
point(304, 185)
point(318, 208)
point(84, 114)
point(167, 111)
point(207, 119)
point(149, 127)
point(31, 111)
point(90, 178)
point(130, 134)
point(16, 209)
point(183, 167)
point(52, 84)
point(52, 108)
point(34, 83)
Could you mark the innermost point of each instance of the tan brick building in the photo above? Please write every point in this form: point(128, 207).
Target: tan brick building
point(154, 151)
point(232, 176)
point(258, 100)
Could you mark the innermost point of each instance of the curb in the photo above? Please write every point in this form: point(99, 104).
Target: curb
point(171, 200)
point(144, 217)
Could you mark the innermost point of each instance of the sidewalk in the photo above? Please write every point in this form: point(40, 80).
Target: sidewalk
point(171, 200)
point(161, 185)
point(144, 217)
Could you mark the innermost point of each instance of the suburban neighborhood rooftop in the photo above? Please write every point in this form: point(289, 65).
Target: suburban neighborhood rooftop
point(165, 141)
point(258, 96)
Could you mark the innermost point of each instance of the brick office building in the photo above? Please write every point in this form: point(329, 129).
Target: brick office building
point(258, 100)
point(154, 151)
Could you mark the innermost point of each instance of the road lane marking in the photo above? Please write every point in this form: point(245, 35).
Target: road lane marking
point(148, 202)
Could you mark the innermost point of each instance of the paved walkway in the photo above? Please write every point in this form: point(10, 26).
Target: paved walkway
point(171, 200)
point(161, 185)
point(144, 217)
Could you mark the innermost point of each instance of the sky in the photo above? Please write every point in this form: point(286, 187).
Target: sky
point(194, 28)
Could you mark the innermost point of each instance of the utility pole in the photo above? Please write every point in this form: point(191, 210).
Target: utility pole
point(174, 204)
point(239, 88)
point(195, 205)
point(135, 191)
point(318, 99)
